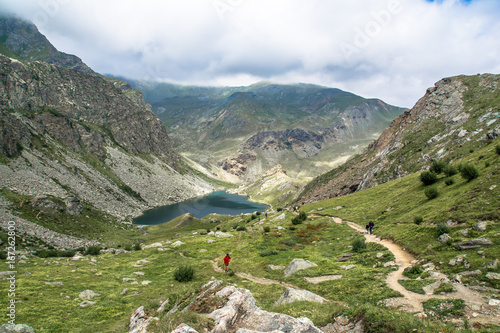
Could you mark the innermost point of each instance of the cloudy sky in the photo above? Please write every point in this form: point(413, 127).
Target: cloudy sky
point(390, 49)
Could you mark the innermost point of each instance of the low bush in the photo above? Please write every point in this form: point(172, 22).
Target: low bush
point(279, 209)
point(413, 272)
point(428, 178)
point(3, 255)
point(497, 149)
point(303, 215)
point(431, 193)
point(241, 228)
point(358, 245)
point(184, 274)
point(267, 229)
point(418, 219)
point(268, 253)
point(449, 181)
point(442, 228)
point(137, 247)
point(93, 250)
point(296, 220)
point(450, 170)
point(438, 166)
point(67, 253)
point(469, 172)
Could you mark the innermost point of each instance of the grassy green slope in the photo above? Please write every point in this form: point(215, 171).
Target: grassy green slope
point(392, 206)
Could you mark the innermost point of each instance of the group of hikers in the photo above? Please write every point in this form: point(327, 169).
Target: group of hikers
point(369, 227)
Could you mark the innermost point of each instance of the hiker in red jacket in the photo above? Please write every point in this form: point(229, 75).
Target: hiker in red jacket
point(227, 258)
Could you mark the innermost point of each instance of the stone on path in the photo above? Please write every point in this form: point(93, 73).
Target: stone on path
point(294, 295)
point(298, 264)
point(183, 328)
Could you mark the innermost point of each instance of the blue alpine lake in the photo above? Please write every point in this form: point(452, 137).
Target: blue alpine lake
point(219, 202)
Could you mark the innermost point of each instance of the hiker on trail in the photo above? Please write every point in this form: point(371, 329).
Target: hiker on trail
point(367, 228)
point(371, 225)
point(227, 258)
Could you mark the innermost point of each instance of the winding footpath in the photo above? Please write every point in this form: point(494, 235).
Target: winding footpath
point(412, 302)
point(409, 302)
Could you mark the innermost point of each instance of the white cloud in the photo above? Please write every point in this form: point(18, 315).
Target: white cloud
point(391, 49)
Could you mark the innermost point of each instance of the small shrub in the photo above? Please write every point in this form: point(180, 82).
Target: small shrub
point(450, 170)
point(444, 288)
point(469, 172)
point(241, 228)
point(267, 229)
point(128, 247)
point(418, 219)
point(137, 247)
point(218, 228)
point(290, 242)
point(487, 164)
point(358, 245)
point(67, 253)
point(279, 209)
point(442, 228)
point(253, 217)
point(231, 273)
point(431, 193)
point(303, 216)
point(413, 272)
point(296, 220)
point(497, 149)
point(184, 274)
point(428, 177)
point(3, 255)
point(268, 253)
point(291, 228)
point(449, 181)
point(438, 166)
point(93, 251)
point(258, 213)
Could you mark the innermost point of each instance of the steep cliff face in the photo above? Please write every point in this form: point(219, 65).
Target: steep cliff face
point(71, 105)
point(452, 118)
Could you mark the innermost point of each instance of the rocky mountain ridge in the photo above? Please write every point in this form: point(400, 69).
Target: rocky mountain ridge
point(72, 135)
point(452, 118)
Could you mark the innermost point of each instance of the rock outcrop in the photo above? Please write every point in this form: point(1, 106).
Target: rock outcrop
point(241, 314)
point(297, 264)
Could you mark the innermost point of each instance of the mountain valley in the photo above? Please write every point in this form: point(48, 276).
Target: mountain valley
point(82, 154)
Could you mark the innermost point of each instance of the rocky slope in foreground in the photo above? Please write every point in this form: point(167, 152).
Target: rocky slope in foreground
point(453, 118)
point(73, 139)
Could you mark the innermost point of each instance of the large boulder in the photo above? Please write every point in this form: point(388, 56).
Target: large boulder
point(297, 264)
point(240, 314)
point(445, 239)
point(474, 244)
point(292, 295)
